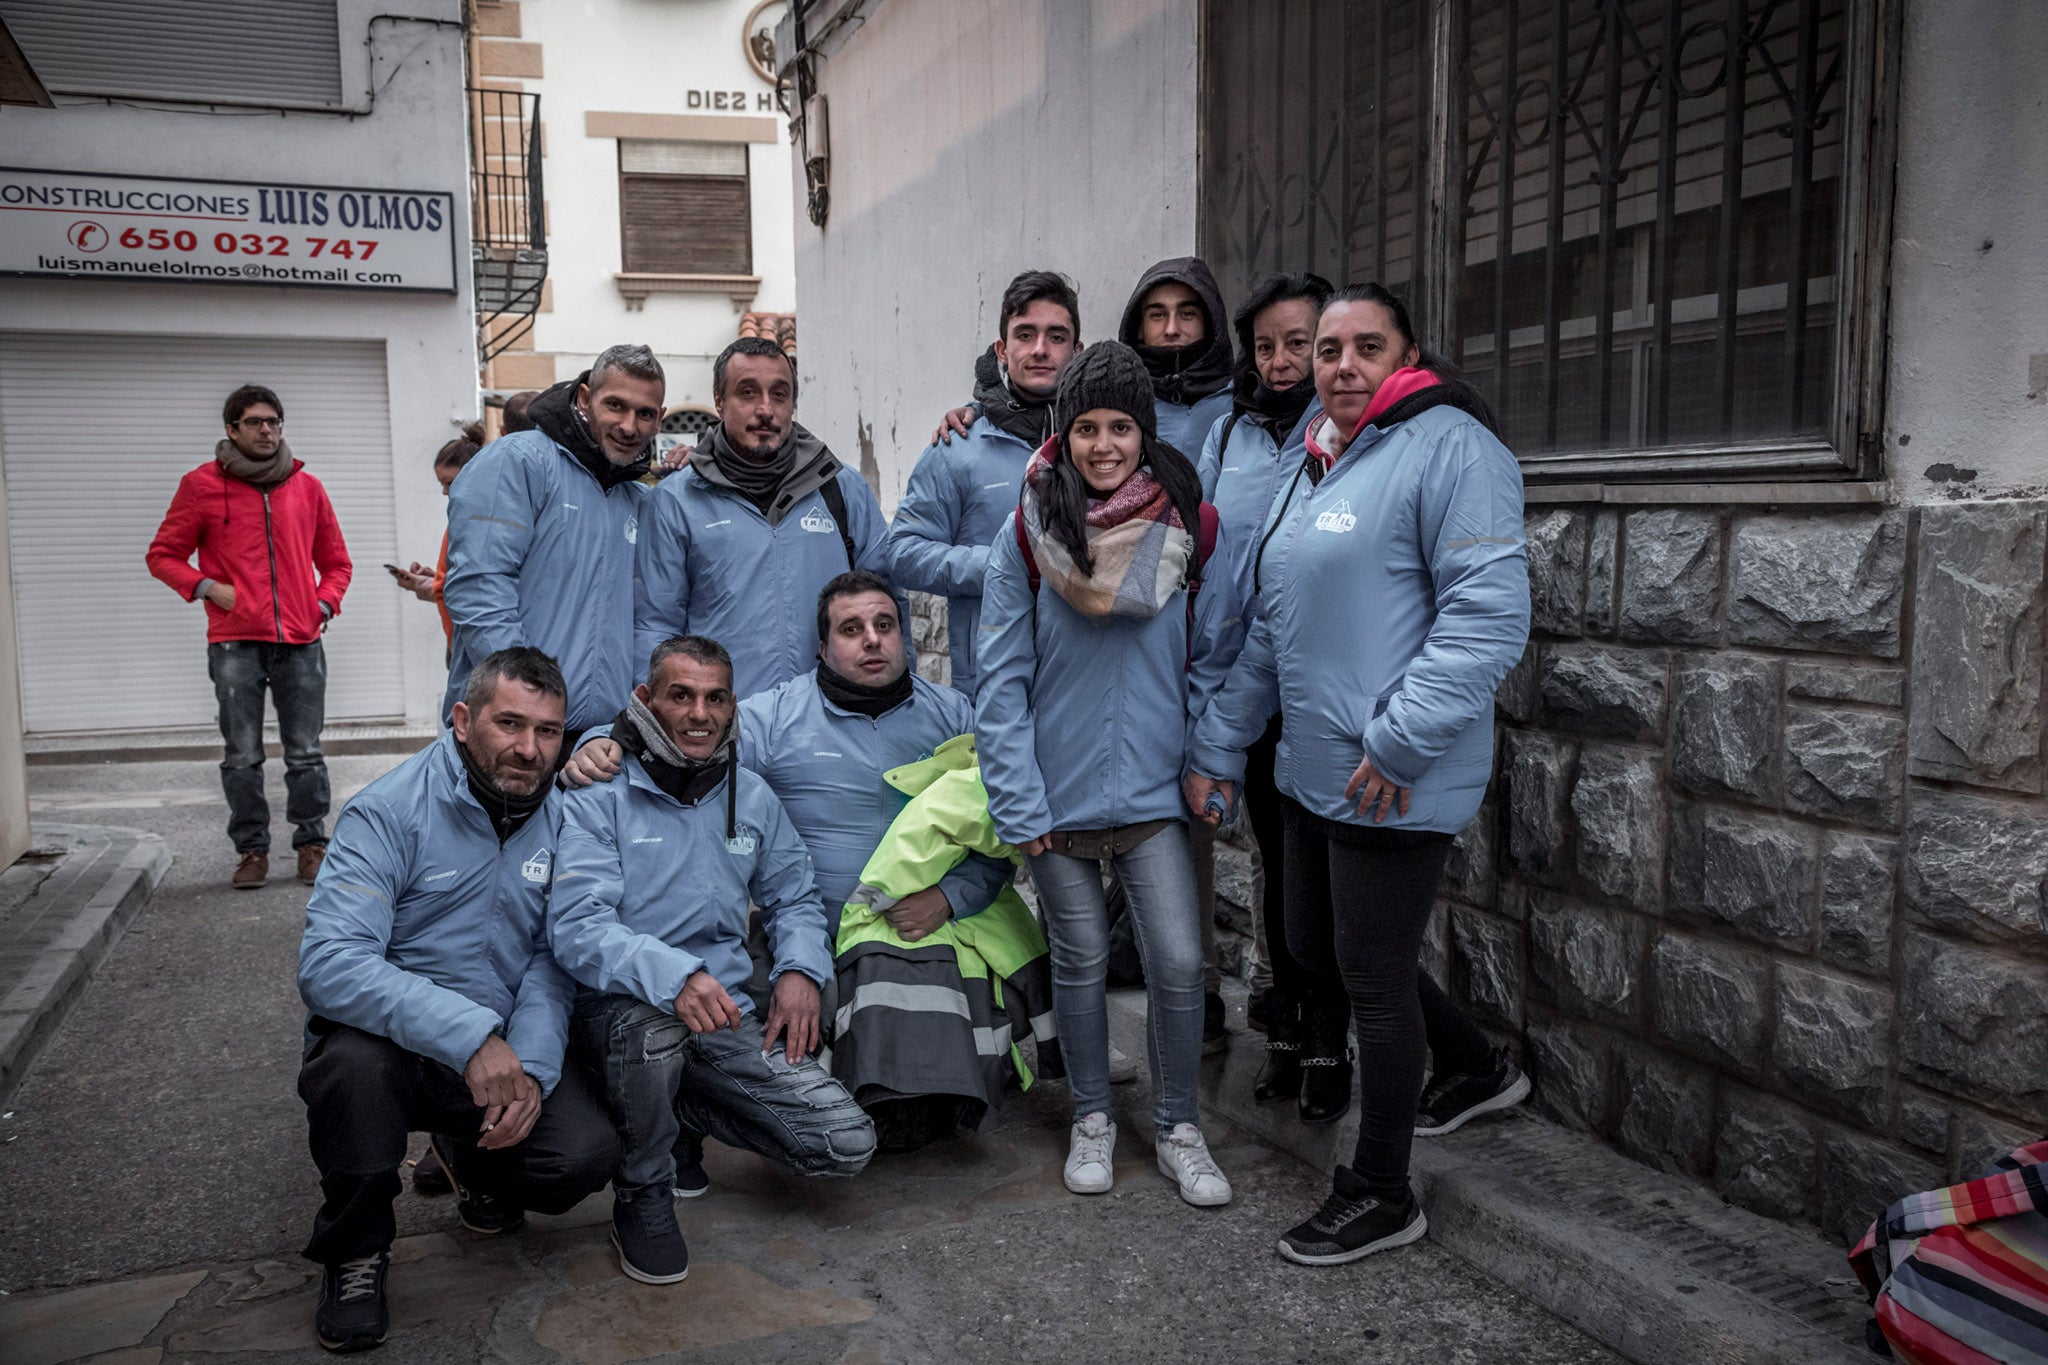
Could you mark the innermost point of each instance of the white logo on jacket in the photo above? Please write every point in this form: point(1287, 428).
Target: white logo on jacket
point(632, 530)
point(1338, 519)
point(440, 876)
point(743, 842)
point(535, 869)
point(818, 522)
point(649, 839)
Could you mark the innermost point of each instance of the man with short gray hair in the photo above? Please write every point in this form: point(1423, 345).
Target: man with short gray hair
point(541, 527)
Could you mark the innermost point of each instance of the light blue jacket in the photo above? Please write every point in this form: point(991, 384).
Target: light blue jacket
point(1186, 426)
point(649, 891)
point(1398, 602)
point(826, 765)
point(539, 554)
point(710, 564)
point(422, 929)
point(959, 496)
point(1083, 724)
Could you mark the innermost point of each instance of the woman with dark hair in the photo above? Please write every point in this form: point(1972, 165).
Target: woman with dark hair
point(421, 581)
point(1397, 600)
point(1243, 468)
point(1092, 639)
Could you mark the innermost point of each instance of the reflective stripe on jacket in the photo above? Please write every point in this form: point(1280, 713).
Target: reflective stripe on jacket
point(940, 1016)
point(423, 929)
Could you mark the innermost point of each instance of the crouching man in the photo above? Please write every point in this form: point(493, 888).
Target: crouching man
point(435, 1002)
point(650, 915)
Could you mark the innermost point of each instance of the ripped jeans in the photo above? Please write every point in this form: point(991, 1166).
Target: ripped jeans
point(660, 1078)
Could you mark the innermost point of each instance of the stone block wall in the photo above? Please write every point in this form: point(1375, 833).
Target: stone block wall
point(1761, 891)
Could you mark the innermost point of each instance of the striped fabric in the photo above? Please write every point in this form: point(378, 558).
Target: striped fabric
point(1961, 1274)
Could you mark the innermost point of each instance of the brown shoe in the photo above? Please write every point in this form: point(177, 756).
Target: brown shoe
point(310, 858)
point(251, 872)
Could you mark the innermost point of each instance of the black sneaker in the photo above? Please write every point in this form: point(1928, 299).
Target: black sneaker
point(1215, 1037)
point(1450, 1101)
point(650, 1245)
point(429, 1176)
point(353, 1314)
point(1353, 1224)
point(485, 1214)
point(690, 1179)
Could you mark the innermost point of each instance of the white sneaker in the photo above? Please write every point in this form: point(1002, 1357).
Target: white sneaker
point(1089, 1155)
point(1184, 1159)
point(1123, 1068)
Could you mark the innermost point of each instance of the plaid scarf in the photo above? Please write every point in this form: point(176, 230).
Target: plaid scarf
point(1141, 549)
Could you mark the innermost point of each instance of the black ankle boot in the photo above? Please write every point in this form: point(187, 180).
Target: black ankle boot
point(1326, 1066)
point(1280, 1078)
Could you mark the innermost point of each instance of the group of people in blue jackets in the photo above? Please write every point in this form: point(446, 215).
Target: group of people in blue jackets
point(1266, 566)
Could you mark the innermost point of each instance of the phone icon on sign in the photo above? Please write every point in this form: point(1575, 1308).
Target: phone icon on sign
point(87, 237)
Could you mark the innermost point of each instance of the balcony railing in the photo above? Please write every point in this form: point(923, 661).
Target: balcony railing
point(508, 230)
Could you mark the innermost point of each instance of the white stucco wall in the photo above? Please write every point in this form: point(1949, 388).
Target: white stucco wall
point(1969, 303)
point(970, 142)
point(644, 57)
point(413, 136)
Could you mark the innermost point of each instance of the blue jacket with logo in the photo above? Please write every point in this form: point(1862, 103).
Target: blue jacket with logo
point(539, 554)
point(826, 764)
point(1083, 724)
point(1397, 601)
point(710, 564)
point(649, 891)
point(423, 929)
point(959, 496)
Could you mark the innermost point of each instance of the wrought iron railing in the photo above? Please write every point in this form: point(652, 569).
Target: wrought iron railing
point(508, 229)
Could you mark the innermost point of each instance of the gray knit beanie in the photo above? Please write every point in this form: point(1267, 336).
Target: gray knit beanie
point(1106, 374)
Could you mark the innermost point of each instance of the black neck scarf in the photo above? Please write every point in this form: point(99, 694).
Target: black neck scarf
point(555, 413)
point(1019, 414)
point(688, 781)
point(505, 811)
point(1277, 410)
point(861, 699)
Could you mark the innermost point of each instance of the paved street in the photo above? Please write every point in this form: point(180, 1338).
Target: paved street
point(155, 1188)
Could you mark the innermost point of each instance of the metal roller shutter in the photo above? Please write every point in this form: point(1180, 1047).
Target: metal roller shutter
point(96, 432)
point(264, 52)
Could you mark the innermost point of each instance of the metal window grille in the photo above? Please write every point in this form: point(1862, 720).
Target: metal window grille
point(508, 229)
point(1652, 231)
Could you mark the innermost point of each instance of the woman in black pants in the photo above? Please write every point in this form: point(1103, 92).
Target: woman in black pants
point(1397, 600)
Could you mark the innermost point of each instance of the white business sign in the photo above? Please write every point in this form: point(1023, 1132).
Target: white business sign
point(80, 226)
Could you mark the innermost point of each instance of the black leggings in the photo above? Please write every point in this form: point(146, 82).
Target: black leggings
point(1367, 892)
point(1266, 815)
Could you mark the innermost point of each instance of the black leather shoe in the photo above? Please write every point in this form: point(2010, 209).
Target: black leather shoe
point(482, 1212)
point(1280, 1078)
point(353, 1314)
point(1326, 1065)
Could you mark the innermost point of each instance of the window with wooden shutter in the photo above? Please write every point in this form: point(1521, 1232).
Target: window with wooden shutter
point(683, 208)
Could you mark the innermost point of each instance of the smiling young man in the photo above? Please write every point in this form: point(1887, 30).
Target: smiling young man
point(433, 999)
point(541, 528)
point(961, 492)
point(650, 913)
point(272, 571)
point(737, 545)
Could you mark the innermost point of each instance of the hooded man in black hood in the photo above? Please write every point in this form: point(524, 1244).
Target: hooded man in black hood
point(1177, 324)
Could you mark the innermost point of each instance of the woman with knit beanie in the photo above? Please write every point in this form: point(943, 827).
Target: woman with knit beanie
point(1394, 597)
point(1093, 639)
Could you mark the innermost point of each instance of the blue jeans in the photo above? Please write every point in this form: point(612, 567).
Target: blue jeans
point(1159, 881)
point(296, 676)
point(660, 1078)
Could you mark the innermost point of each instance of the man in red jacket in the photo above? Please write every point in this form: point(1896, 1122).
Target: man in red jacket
point(272, 569)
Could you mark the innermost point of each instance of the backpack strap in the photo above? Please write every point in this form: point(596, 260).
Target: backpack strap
point(835, 503)
point(1223, 443)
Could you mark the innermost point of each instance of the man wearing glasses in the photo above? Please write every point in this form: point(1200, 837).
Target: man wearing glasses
point(272, 570)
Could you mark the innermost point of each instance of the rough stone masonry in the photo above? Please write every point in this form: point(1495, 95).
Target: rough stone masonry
point(1761, 891)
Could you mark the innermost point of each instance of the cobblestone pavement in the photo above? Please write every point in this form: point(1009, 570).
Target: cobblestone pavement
point(156, 1187)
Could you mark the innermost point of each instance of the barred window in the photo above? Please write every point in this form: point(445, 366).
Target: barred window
point(1652, 231)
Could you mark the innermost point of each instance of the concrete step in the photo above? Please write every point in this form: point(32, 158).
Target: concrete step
point(204, 742)
point(1654, 1265)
